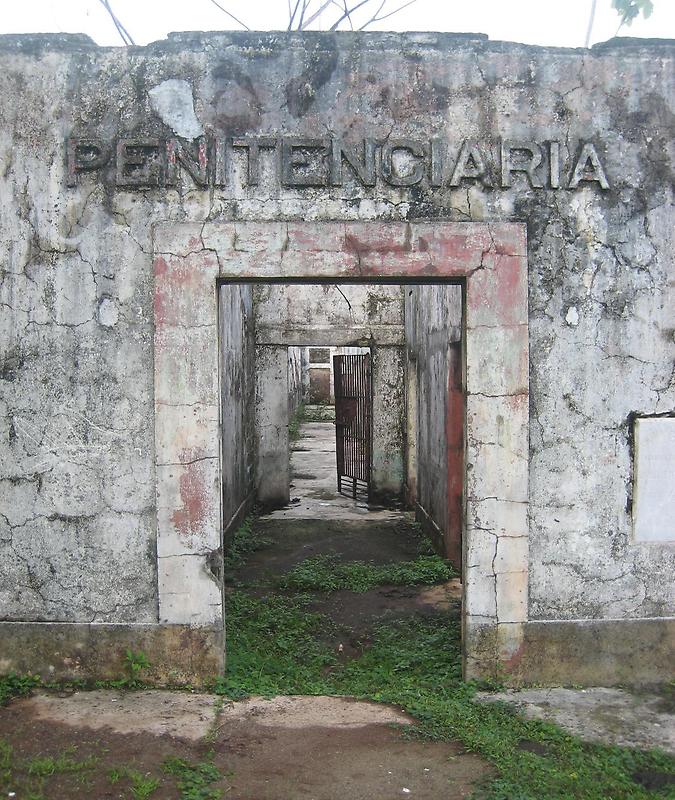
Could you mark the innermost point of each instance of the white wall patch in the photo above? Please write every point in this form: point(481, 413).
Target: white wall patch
point(172, 100)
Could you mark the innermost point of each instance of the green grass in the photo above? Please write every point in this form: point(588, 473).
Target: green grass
point(194, 780)
point(142, 785)
point(27, 777)
point(61, 764)
point(276, 645)
point(324, 573)
point(14, 685)
point(295, 422)
point(244, 541)
point(279, 649)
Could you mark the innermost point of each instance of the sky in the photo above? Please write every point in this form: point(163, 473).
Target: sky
point(560, 23)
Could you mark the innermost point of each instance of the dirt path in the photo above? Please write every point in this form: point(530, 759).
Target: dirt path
point(309, 748)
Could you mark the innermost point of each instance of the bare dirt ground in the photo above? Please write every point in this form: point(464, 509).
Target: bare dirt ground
point(309, 748)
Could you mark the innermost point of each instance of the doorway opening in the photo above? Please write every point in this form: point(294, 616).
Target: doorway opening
point(355, 419)
point(378, 362)
point(202, 492)
point(355, 388)
point(329, 430)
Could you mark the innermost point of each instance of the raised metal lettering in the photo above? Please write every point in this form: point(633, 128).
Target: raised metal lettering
point(470, 164)
point(253, 145)
point(363, 167)
point(84, 155)
point(139, 162)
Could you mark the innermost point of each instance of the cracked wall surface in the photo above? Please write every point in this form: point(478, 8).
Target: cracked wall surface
point(77, 524)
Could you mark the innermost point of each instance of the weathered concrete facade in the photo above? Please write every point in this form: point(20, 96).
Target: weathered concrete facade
point(134, 180)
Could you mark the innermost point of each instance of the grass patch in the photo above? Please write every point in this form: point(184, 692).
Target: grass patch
point(244, 542)
point(194, 780)
point(62, 764)
point(14, 685)
point(26, 778)
point(142, 786)
point(324, 573)
point(275, 647)
point(295, 422)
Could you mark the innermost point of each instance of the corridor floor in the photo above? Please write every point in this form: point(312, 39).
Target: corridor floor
point(313, 485)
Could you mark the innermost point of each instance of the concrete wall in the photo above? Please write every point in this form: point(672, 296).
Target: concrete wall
point(78, 458)
point(328, 314)
point(237, 354)
point(433, 323)
point(297, 366)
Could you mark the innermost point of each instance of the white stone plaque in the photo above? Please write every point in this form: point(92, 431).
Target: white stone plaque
point(654, 480)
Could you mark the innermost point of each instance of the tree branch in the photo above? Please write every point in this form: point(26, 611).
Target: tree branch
point(591, 19)
point(347, 14)
point(316, 14)
point(230, 15)
point(292, 16)
point(385, 16)
point(123, 32)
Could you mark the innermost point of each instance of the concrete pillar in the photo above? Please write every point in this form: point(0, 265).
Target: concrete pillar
point(271, 411)
point(388, 420)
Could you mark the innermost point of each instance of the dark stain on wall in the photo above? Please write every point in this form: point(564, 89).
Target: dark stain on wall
point(320, 64)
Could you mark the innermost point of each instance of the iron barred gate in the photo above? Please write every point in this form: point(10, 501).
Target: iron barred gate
point(353, 420)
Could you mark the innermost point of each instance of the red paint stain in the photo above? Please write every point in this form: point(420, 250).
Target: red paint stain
point(511, 664)
point(454, 436)
point(189, 520)
point(509, 280)
point(161, 267)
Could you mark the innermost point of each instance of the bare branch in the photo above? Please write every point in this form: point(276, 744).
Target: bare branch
point(344, 4)
point(386, 16)
point(123, 32)
point(375, 15)
point(292, 16)
point(316, 14)
point(305, 3)
point(230, 15)
point(591, 19)
point(347, 13)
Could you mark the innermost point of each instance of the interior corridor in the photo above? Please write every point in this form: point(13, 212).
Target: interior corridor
point(313, 476)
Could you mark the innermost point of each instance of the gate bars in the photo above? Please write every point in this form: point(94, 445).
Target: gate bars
point(353, 419)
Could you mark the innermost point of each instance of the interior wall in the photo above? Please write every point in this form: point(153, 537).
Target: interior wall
point(433, 327)
point(237, 364)
point(297, 362)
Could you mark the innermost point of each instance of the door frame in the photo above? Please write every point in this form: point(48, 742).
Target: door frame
point(490, 260)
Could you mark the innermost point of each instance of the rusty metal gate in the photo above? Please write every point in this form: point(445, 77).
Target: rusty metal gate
point(353, 420)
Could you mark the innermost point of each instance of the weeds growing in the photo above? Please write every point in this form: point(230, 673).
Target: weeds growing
point(14, 685)
point(278, 646)
point(325, 573)
point(244, 541)
point(194, 780)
